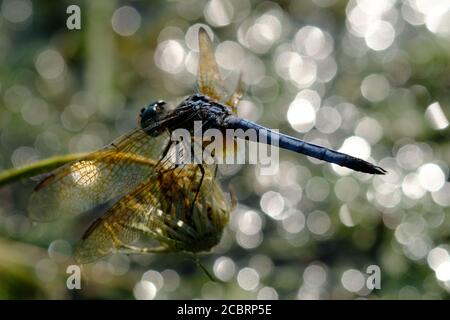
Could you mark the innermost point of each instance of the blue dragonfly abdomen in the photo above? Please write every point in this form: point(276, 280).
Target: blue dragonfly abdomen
point(303, 147)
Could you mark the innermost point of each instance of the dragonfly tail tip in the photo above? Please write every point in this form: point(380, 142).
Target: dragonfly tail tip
point(366, 167)
point(377, 170)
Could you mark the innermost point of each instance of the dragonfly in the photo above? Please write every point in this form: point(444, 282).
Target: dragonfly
point(157, 204)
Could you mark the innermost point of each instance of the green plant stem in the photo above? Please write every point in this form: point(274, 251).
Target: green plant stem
point(36, 168)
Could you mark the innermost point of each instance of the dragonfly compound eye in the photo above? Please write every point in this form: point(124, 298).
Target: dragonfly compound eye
point(152, 114)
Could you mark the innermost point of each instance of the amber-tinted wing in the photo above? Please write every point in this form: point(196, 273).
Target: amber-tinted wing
point(159, 209)
point(210, 82)
point(234, 98)
point(99, 177)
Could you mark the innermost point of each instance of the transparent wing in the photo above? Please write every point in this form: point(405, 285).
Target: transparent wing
point(159, 209)
point(210, 82)
point(236, 96)
point(99, 177)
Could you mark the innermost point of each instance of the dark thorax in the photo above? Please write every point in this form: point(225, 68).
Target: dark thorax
point(198, 107)
point(193, 112)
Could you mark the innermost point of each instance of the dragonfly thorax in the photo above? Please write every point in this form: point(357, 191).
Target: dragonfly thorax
point(157, 116)
point(198, 107)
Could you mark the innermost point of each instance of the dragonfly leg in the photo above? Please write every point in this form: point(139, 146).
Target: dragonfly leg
point(164, 153)
point(215, 173)
point(201, 266)
point(233, 197)
point(202, 170)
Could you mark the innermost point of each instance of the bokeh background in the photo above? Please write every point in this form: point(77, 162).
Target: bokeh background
point(370, 78)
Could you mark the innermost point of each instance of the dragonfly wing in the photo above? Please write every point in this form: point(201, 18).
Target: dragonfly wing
point(159, 209)
point(113, 230)
point(98, 177)
point(210, 82)
point(236, 96)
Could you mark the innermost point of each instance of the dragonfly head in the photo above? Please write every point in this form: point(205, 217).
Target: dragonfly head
point(151, 114)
